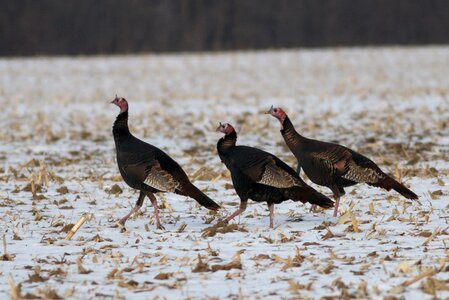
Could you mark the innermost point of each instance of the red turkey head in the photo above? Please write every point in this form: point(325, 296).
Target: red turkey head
point(121, 102)
point(225, 128)
point(278, 113)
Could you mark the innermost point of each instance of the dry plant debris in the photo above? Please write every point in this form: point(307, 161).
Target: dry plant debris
point(57, 165)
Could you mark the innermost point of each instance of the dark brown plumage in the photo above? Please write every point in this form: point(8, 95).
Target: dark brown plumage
point(262, 177)
point(333, 165)
point(148, 169)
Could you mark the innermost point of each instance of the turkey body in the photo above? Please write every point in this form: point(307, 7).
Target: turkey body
point(247, 165)
point(335, 166)
point(148, 169)
point(262, 177)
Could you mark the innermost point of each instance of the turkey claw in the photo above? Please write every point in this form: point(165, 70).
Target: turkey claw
point(121, 226)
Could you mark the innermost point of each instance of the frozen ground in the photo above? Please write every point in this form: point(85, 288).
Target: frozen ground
point(57, 162)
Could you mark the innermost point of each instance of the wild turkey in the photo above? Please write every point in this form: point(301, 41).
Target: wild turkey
point(333, 165)
point(148, 169)
point(262, 177)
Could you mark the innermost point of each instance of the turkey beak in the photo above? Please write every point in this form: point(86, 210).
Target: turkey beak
point(115, 99)
point(270, 110)
point(219, 127)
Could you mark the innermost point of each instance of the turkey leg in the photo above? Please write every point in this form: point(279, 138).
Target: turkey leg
point(242, 208)
point(271, 207)
point(337, 201)
point(135, 209)
point(156, 210)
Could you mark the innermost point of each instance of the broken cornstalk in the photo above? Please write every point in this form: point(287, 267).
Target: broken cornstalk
point(78, 225)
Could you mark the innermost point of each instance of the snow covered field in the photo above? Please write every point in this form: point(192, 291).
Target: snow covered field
point(57, 162)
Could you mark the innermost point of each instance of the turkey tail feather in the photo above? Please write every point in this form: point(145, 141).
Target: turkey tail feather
point(390, 183)
point(193, 192)
point(401, 189)
point(310, 195)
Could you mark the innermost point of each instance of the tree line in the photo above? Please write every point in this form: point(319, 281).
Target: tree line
point(46, 27)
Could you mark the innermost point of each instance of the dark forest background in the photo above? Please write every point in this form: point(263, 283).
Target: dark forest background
point(32, 27)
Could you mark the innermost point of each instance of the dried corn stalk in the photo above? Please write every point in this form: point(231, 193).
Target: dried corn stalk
point(78, 225)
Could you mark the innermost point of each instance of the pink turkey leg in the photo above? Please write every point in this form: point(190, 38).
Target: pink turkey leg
point(156, 214)
point(126, 217)
point(337, 201)
point(233, 215)
point(271, 215)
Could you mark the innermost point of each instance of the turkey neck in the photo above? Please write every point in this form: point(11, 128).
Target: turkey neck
point(120, 128)
point(227, 142)
point(292, 138)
